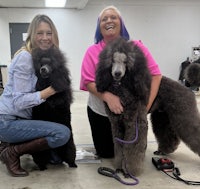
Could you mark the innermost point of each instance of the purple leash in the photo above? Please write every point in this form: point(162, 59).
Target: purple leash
point(130, 141)
point(111, 173)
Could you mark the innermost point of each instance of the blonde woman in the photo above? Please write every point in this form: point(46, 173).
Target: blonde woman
point(18, 133)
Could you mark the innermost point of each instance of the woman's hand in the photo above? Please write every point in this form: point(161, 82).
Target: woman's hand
point(113, 102)
point(45, 93)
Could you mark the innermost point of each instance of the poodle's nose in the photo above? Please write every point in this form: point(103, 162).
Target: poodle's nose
point(118, 74)
point(45, 71)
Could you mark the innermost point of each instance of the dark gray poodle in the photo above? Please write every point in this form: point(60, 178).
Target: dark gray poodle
point(175, 117)
point(175, 114)
point(122, 70)
point(51, 69)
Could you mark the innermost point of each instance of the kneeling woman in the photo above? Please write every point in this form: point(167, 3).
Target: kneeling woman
point(18, 133)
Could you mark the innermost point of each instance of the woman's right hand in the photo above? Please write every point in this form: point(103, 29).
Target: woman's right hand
point(113, 102)
point(46, 93)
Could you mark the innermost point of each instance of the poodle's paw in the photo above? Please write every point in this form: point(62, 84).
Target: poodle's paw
point(159, 153)
point(42, 167)
point(119, 170)
point(72, 165)
point(125, 174)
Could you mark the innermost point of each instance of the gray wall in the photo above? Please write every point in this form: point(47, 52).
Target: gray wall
point(169, 28)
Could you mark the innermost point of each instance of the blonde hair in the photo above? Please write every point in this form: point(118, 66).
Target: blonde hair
point(30, 40)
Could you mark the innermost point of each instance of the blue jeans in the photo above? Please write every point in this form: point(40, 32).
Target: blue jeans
point(15, 130)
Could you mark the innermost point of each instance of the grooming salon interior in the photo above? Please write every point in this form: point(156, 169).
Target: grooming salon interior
point(171, 31)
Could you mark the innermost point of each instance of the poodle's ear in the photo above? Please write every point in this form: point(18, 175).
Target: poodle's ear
point(134, 55)
point(57, 56)
point(138, 74)
point(103, 72)
point(131, 55)
point(106, 57)
point(36, 57)
point(60, 77)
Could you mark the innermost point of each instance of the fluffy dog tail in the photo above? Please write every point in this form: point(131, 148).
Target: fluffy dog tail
point(192, 74)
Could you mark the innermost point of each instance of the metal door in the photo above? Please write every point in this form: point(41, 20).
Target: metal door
point(18, 32)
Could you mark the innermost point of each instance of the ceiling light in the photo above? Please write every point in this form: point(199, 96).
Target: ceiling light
point(55, 3)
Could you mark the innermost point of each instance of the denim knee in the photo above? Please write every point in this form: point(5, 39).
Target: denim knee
point(60, 138)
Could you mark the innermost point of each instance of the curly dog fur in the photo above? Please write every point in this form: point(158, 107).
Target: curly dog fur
point(51, 69)
point(122, 70)
point(175, 117)
point(174, 113)
point(192, 73)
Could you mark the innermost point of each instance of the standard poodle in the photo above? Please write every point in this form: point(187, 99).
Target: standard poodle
point(122, 70)
point(51, 69)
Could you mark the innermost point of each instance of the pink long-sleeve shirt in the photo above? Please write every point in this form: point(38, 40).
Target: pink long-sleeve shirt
point(90, 61)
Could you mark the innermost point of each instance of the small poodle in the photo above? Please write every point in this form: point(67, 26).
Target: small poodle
point(50, 68)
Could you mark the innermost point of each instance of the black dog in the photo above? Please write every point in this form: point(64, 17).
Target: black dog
point(50, 68)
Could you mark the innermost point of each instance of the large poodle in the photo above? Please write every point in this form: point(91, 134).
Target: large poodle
point(51, 69)
point(122, 70)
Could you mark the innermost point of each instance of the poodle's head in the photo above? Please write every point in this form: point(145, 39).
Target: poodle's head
point(45, 69)
point(117, 58)
point(51, 69)
point(122, 63)
point(47, 61)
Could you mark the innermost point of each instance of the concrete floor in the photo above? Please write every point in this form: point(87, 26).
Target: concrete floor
point(86, 176)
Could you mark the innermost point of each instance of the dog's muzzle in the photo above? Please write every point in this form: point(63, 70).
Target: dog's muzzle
point(117, 76)
point(45, 71)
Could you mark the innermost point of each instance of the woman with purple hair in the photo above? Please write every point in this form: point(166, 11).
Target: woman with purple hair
point(109, 26)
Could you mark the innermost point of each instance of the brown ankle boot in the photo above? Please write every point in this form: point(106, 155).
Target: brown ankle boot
point(12, 160)
point(11, 155)
point(3, 145)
